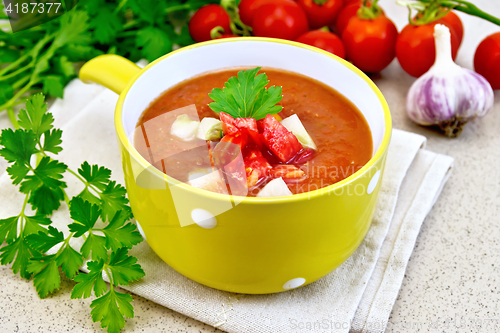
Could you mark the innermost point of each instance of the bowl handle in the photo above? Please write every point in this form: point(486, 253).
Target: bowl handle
point(110, 71)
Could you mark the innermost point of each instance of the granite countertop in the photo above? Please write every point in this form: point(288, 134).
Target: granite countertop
point(452, 282)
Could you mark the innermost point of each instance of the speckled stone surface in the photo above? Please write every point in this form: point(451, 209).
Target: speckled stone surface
point(452, 283)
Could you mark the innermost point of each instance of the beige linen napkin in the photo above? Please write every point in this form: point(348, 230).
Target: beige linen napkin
point(357, 296)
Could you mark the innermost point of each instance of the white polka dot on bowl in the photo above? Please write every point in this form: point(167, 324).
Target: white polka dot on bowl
point(294, 283)
point(204, 218)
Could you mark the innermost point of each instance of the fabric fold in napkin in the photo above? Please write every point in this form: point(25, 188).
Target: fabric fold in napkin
point(358, 296)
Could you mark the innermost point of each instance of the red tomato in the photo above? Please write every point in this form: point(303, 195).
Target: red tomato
point(370, 44)
point(320, 15)
point(256, 166)
point(278, 139)
point(455, 23)
point(279, 19)
point(325, 40)
point(345, 16)
point(487, 59)
point(205, 19)
point(228, 125)
point(246, 10)
point(416, 50)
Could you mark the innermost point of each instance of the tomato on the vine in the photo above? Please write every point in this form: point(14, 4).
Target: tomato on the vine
point(370, 43)
point(416, 50)
point(246, 10)
point(345, 15)
point(487, 59)
point(321, 13)
point(279, 19)
point(325, 40)
point(205, 19)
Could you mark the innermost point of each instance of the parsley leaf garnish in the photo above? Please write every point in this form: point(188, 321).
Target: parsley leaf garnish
point(111, 306)
point(100, 213)
point(246, 95)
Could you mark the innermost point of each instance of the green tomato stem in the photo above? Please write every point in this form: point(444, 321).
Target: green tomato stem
point(369, 10)
point(237, 26)
point(466, 7)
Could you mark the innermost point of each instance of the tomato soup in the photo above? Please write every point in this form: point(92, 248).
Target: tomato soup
point(337, 127)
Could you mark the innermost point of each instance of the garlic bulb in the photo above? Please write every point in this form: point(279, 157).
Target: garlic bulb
point(448, 95)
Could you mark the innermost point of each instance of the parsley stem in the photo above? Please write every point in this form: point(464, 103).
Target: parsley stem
point(19, 83)
point(110, 277)
point(84, 181)
point(24, 205)
point(13, 100)
point(65, 243)
point(15, 63)
point(66, 198)
point(12, 117)
point(19, 71)
point(22, 215)
point(77, 176)
point(178, 7)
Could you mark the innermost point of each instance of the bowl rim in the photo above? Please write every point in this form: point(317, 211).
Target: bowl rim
point(122, 136)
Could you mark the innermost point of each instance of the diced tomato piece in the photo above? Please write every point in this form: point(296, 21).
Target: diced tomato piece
point(249, 125)
point(228, 125)
point(233, 126)
point(256, 167)
point(246, 123)
point(228, 149)
point(278, 139)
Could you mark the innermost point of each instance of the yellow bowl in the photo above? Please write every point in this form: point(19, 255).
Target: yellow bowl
point(244, 244)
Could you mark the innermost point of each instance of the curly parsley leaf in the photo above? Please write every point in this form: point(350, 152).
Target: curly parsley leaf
point(120, 234)
point(95, 175)
point(48, 172)
point(35, 117)
point(46, 274)
point(110, 308)
point(84, 214)
point(8, 229)
point(91, 281)
point(153, 42)
point(17, 172)
point(46, 200)
point(70, 261)
point(53, 85)
point(52, 141)
point(18, 253)
point(44, 241)
point(246, 95)
point(18, 146)
point(124, 268)
point(35, 224)
point(113, 200)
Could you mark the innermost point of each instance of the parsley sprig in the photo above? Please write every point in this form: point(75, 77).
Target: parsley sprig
point(43, 58)
point(100, 214)
point(246, 95)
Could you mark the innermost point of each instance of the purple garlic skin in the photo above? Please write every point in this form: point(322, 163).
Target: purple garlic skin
point(434, 99)
point(448, 95)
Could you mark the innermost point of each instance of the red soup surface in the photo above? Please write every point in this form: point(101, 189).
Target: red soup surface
point(339, 130)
